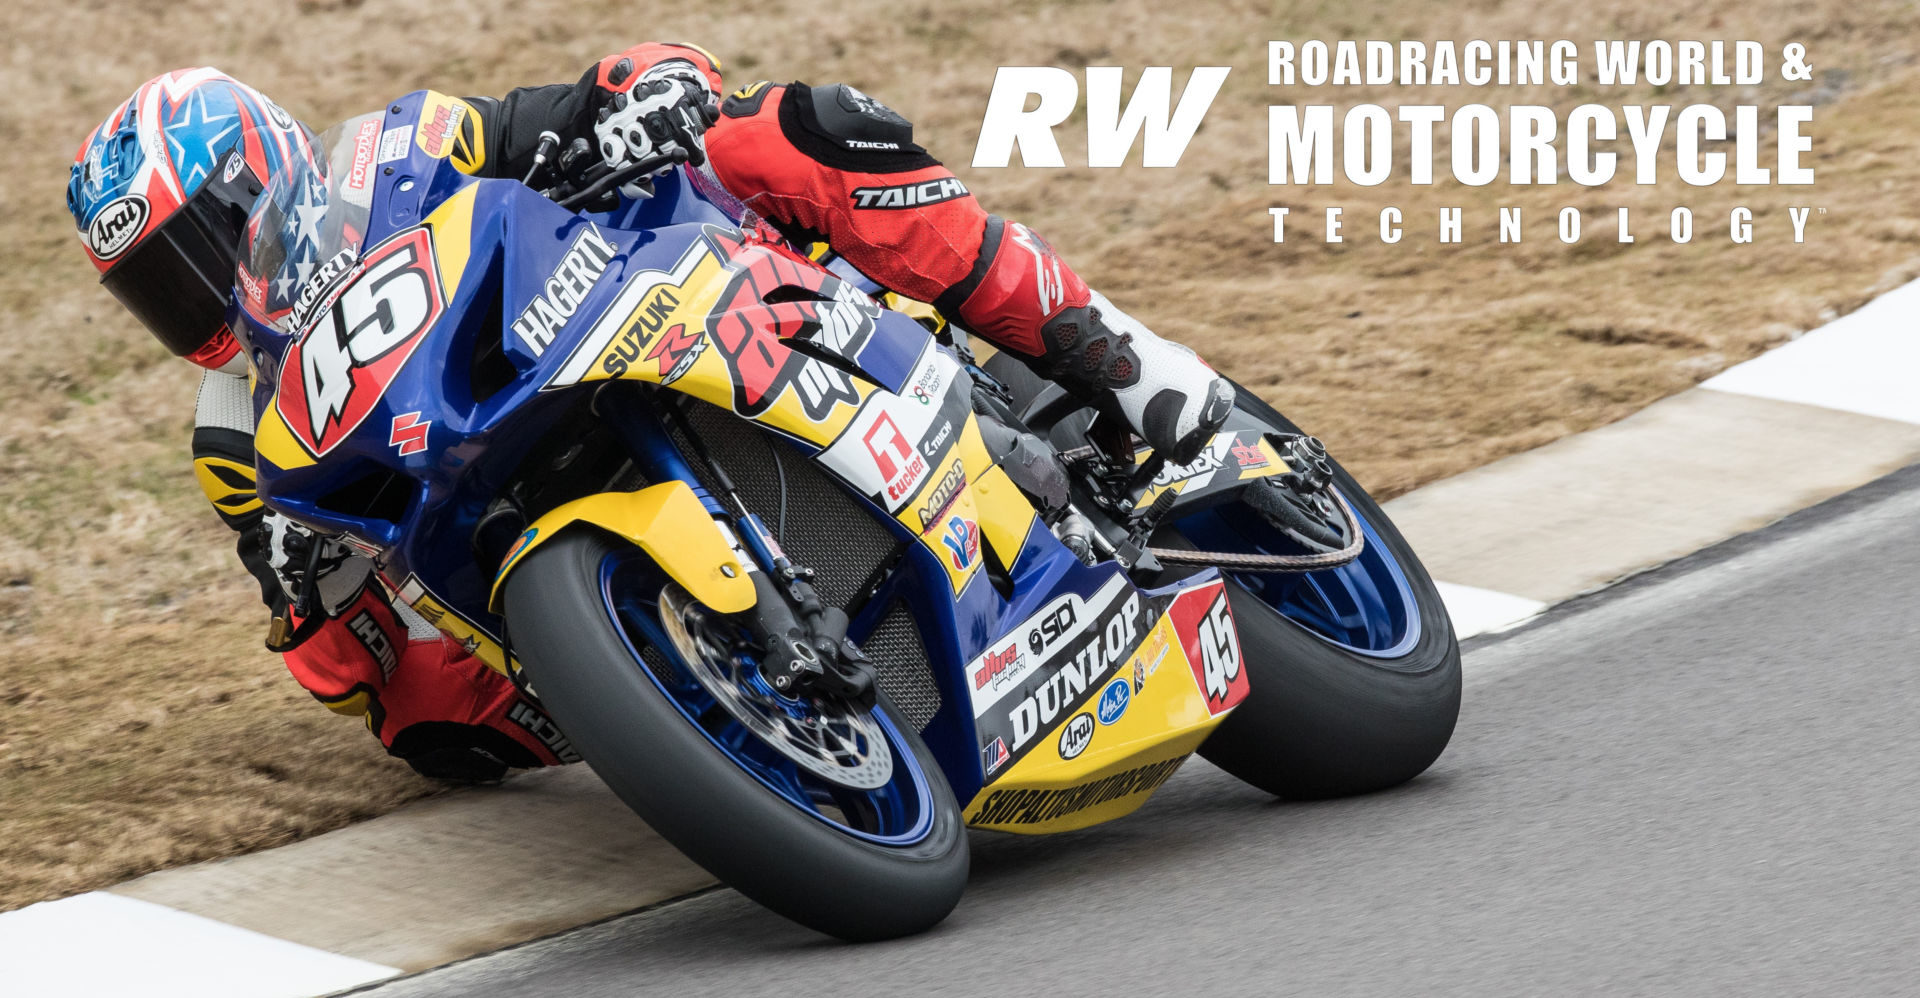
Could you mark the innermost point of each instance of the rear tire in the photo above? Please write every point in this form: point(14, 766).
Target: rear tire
point(698, 798)
point(1321, 720)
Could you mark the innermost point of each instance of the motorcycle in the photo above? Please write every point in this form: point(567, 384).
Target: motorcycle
point(811, 578)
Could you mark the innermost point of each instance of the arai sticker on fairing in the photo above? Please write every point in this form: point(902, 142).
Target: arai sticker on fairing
point(360, 337)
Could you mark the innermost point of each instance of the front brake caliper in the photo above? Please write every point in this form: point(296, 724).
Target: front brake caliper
point(804, 646)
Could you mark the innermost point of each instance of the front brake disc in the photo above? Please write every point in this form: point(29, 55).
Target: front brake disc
point(831, 741)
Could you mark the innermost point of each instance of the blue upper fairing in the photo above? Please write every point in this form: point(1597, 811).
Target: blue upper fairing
point(457, 409)
point(474, 427)
point(517, 240)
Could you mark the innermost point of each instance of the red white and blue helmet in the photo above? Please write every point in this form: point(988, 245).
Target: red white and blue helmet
point(160, 193)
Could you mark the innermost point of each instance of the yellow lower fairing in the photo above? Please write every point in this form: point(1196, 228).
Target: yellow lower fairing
point(1112, 747)
point(1114, 791)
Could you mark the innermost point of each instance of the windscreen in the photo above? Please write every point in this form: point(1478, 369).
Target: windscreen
point(307, 228)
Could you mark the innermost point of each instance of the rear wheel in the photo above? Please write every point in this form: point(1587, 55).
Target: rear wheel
point(843, 824)
point(1354, 671)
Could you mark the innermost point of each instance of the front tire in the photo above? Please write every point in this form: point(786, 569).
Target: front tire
point(578, 658)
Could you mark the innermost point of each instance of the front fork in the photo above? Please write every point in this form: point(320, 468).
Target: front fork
point(800, 642)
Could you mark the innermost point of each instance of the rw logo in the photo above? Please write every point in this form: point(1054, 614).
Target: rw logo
point(1168, 127)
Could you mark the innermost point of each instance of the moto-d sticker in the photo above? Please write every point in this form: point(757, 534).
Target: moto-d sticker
point(903, 452)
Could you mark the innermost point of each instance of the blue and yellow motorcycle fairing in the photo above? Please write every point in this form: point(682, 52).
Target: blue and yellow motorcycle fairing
point(541, 424)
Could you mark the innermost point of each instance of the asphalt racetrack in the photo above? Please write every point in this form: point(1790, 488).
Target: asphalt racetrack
point(1703, 781)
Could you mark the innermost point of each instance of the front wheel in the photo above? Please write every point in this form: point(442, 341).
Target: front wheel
point(1354, 671)
point(875, 853)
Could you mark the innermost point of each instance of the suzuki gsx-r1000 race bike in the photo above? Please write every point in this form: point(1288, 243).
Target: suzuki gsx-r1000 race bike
point(813, 583)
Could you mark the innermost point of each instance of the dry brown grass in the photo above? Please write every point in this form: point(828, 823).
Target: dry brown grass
point(141, 725)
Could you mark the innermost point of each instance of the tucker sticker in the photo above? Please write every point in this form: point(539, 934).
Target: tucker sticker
point(880, 452)
point(898, 461)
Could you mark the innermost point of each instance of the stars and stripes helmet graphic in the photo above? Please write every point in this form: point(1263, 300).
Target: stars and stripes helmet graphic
point(159, 192)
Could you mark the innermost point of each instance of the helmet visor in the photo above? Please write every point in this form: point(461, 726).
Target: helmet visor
point(178, 281)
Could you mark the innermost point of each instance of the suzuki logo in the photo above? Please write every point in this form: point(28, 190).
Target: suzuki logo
point(409, 433)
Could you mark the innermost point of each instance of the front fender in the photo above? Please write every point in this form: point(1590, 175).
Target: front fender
point(669, 523)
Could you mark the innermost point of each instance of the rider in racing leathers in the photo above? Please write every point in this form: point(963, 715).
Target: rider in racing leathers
point(819, 164)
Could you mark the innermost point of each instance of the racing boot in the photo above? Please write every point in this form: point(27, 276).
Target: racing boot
point(1030, 302)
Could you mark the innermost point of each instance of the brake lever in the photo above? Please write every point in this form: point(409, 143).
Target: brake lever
point(621, 176)
point(549, 141)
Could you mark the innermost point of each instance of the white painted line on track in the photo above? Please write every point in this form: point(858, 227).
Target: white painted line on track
point(102, 945)
point(1838, 538)
point(1867, 361)
point(1478, 611)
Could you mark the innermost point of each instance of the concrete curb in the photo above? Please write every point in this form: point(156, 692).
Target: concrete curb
point(472, 872)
